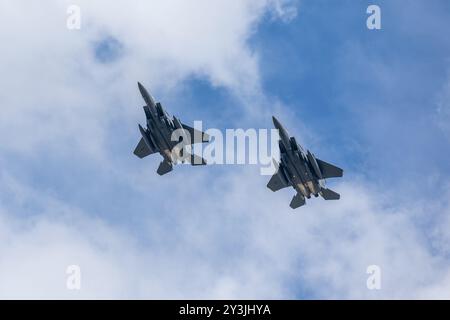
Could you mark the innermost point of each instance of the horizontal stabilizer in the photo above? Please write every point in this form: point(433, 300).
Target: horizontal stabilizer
point(164, 167)
point(328, 194)
point(297, 201)
point(142, 150)
point(328, 170)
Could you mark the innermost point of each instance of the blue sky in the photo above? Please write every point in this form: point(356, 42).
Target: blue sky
point(324, 65)
point(372, 102)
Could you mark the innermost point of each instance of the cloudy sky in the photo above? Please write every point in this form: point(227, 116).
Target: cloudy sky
point(374, 102)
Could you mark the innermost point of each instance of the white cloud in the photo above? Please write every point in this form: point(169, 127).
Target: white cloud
point(54, 91)
point(56, 98)
point(231, 245)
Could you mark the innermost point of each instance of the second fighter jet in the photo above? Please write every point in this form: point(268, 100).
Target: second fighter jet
point(301, 170)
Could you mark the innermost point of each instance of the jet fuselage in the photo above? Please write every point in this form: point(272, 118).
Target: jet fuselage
point(294, 161)
point(159, 125)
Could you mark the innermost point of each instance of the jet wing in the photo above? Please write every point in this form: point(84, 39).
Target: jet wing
point(278, 181)
point(328, 170)
point(142, 150)
point(194, 133)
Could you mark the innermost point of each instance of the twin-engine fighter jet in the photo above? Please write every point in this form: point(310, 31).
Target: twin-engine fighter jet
point(298, 168)
point(301, 170)
point(158, 136)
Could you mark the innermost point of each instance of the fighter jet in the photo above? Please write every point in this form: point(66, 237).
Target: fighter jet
point(301, 170)
point(157, 137)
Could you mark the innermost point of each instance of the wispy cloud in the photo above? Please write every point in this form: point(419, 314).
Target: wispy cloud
point(231, 245)
point(71, 193)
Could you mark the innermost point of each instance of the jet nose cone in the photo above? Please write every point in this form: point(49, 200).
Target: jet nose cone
point(147, 97)
point(283, 133)
point(276, 123)
point(141, 88)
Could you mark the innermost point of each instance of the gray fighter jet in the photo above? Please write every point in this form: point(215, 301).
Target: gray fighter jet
point(158, 136)
point(301, 170)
